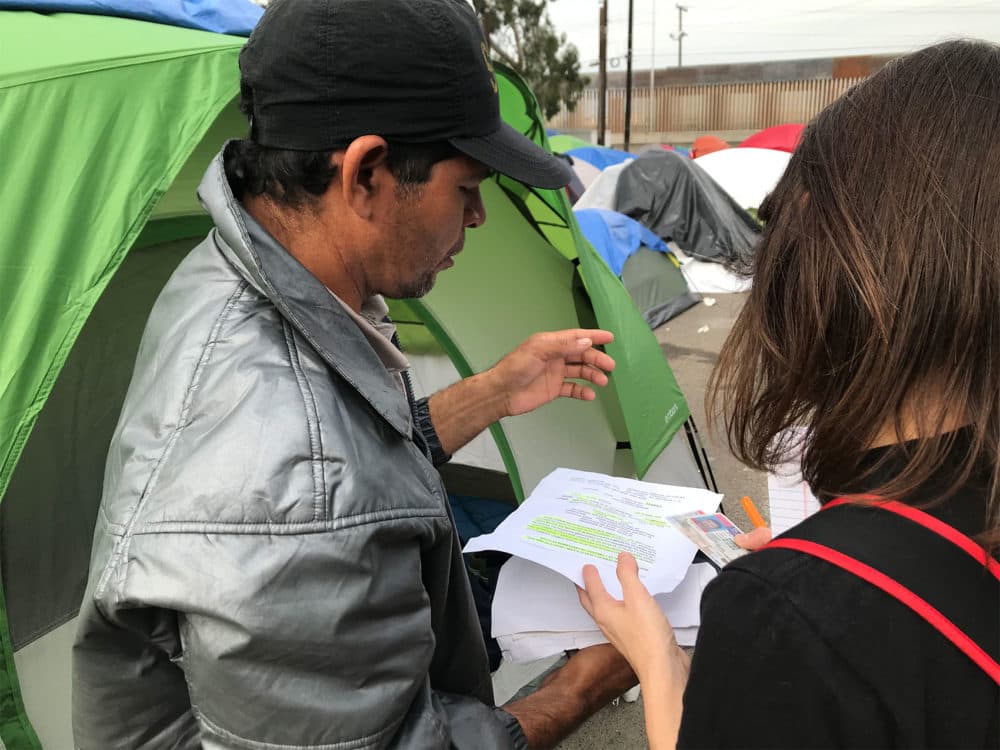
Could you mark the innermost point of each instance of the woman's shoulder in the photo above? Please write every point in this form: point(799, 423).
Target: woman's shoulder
point(853, 605)
point(834, 603)
point(824, 643)
point(872, 537)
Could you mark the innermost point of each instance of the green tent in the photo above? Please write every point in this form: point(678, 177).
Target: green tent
point(561, 143)
point(509, 281)
point(107, 126)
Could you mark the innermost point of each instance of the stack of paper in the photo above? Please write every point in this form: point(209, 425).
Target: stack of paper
point(575, 518)
point(536, 611)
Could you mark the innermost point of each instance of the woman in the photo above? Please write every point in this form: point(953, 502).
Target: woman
point(874, 321)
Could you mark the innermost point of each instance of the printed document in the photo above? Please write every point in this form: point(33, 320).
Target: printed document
point(575, 517)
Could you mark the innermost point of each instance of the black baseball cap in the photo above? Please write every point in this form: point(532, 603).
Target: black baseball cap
point(318, 73)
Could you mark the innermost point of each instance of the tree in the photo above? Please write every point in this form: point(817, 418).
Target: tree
point(521, 35)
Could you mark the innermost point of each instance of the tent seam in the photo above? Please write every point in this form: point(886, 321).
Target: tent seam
point(60, 73)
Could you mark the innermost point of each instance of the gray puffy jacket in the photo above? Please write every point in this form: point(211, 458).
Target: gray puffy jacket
point(274, 564)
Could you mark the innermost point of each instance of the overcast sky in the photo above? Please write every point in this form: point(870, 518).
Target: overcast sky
point(747, 30)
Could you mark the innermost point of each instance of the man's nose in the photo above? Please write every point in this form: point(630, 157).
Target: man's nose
point(475, 211)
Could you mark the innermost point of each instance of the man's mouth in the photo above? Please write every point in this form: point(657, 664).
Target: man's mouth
point(449, 259)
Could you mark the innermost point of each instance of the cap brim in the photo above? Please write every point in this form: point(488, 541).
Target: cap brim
point(518, 157)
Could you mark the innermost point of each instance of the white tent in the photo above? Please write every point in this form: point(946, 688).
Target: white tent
point(586, 171)
point(601, 192)
point(747, 174)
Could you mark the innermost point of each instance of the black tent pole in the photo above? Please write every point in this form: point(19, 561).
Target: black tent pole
point(602, 75)
point(628, 80)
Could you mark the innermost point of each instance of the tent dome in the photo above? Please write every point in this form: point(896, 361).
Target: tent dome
point(778, 138)
point(747, 174)
point(707, 144)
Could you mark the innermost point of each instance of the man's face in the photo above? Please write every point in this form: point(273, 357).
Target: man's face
point(429, 226)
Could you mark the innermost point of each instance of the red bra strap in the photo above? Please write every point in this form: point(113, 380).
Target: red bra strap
point(929, 522)
point(932, 615)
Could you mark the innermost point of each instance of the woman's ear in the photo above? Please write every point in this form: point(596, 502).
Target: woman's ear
point(364, 173)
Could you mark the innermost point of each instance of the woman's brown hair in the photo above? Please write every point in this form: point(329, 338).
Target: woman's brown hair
point(876, 294)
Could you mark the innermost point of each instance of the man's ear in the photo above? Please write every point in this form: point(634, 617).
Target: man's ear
point(363, 173)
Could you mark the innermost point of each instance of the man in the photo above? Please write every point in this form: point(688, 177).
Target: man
point(275, 564)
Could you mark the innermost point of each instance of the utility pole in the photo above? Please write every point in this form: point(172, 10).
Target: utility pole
point(679, 36)
point(602, 75)
point(628, 80)
point(652, 71)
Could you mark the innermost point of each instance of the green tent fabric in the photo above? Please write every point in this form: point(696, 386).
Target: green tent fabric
point(98, 116)
point(82, 114)
point(649, 401)
point(652, 403)
point(107, 126)
point(562, 143)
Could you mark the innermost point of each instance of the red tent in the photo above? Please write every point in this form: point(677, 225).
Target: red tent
point(778, 138)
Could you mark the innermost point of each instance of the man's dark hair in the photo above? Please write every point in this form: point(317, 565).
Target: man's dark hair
point(295, 178)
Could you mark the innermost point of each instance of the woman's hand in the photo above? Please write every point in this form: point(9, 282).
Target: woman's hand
point(635, 626)
point(755, 539)
point(638, 628)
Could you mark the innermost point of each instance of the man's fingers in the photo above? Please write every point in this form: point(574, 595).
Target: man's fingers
point(598, 359)
point(569, 343)
point(586, 372)
point(577, 391)
point(597, 336)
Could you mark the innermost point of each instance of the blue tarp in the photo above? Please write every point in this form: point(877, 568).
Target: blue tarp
point(236, 17)
point(615, 236)
point(600, 156)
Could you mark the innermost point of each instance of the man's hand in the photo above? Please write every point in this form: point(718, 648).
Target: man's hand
point(535, 373)
point(540, 370)
point(592, 678)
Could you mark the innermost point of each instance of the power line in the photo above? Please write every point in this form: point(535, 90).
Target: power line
point(679, 37)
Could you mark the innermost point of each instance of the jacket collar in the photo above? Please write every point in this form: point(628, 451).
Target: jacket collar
point(302, 300)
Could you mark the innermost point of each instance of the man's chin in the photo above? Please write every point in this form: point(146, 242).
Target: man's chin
point(419, 289)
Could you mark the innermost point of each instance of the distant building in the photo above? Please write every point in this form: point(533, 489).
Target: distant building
point(731, 101)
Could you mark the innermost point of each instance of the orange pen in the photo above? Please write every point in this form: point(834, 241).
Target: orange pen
point(752, 513)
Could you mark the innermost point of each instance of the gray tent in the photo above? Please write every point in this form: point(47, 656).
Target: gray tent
point(657, 286)
point(675, 198)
